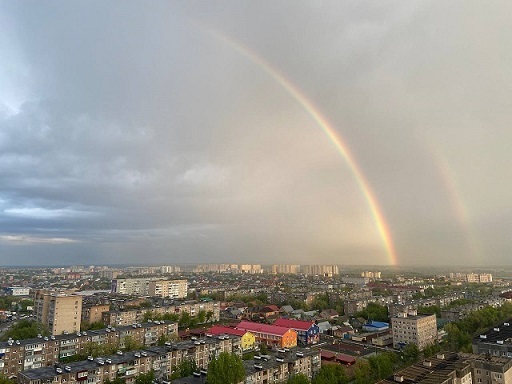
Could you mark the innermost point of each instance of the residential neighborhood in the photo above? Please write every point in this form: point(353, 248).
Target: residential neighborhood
point(79, 313)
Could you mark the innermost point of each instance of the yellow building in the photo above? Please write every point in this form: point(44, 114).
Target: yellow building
point(247, 339)
point(271, 335)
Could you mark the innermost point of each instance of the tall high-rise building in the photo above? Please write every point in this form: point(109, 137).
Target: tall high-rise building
point(285, 268)
point(60, 312)
point(251, 268)
point(371, 275)
point(169, 269)
point(320, 270)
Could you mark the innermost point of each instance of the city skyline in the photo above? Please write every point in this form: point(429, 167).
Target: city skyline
point(342, 133)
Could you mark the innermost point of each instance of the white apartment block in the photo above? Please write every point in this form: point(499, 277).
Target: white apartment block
point(251, 268)
point(371, 275)
point(414, 329)
point(169, 269)
point(286, 268)
point(176, 289)
point(472, 277)
point(321, 270)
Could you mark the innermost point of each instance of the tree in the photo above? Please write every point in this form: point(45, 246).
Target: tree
point(150, 315)
point(130, 344)
point(381, 365)
point(362, 372)
point(5, 380)
point(98, 349)
point(375, 311)
point(184, 369)
point(431, 350)
point(298, 379)
point(411, 353)
point(433, 309)
point(145, 378)
point(201, 316)
point(24, 303)
point(331, 374)
point(184, 319)
point(227, 368)
point(320, 302)
point(86, 326)
point(162, 339)
point(209, 316)
point(25, 329)
point(170, 317)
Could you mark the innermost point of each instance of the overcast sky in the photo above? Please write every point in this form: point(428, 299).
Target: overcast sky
point(155, 132)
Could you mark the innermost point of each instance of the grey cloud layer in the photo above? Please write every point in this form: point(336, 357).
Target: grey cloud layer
point(130, 133)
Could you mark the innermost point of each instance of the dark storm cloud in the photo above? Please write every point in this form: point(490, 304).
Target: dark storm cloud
point(130, 132)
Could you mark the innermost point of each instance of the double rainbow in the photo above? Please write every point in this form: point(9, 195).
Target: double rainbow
point(329, 131)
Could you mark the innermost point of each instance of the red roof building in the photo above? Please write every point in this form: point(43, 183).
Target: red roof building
point(247, 338)
point(307, 331)
point(294, 324)
point(223, 330)
point(271, 335)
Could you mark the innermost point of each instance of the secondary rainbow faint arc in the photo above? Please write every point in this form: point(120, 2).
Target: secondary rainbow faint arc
point(328, 129)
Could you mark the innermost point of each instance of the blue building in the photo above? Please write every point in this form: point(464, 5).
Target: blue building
point(307, 331)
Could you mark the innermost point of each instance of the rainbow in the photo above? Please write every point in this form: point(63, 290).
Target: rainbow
point(457, 204)
point(329, 131)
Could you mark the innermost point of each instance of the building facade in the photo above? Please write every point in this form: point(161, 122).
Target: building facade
point(307, 331)
point(271, 335)
point(210, 309)
point(20, 355)
point(94, 313)
point(174, 289)
point(60, 312)
point(17, 291)
point(414, 329)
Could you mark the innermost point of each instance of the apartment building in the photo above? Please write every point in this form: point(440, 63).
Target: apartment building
point(479, 278)
point(175, 289)
point(60, 312)
point(280, 367)
point(94, 313)
point(472, 277)
point(271, 335)
point(161, 360)
point(444, 368)
point(211, 309)
point(456, 368)
point(169, 269)
point(371, 274)
point(489, 369)
point(496, 341)
point(247, 339)
point(307, 331)
point(285, 269)
point(320, 270)
point(411, 328)
point(251, 268)
point(20, 355)
point(17, 291)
